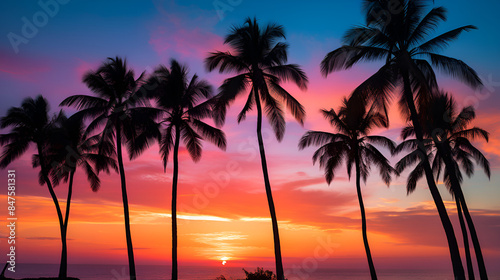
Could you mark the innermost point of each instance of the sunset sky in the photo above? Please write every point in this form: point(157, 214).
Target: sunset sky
point(223, 212)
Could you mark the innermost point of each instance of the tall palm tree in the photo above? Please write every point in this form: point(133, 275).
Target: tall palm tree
point(260, 63)
point(183, 105)
point(118, 107)
point(396, 32)
point(67, 148)
point(451, 141)
point(30, 124)
point(352, 144)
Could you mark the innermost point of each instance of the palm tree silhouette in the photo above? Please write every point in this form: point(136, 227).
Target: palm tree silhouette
point(396, 34)
point(450, 138)
point(182, 110)
point(260, 62)
point(69, 148)
point(30, 124)
point(353, 145)
point(118, 108)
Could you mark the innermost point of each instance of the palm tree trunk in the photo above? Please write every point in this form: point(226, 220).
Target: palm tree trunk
point(276, 236)
point(64, 255)
point(475, 240)
point(458, 269)
point(63, 268)
point(174, 204)
point(465, 236)
point(130, 248)
point(459, 195)
point(68, 200)
point(363, 221)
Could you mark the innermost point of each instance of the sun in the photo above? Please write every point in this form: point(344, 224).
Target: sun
point(224, 260)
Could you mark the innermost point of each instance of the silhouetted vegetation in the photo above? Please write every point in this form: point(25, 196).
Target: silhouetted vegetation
point(401, 40)
point(448, 144)
point(353, 145)
point(260, 62)
point(181, 104)
point(259, 274)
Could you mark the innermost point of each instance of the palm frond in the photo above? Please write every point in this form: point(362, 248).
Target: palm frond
point(408, 160)
point(382, 163)
point(472, 133)
point(444, 39)
point(277, 55)
point(212, 134)
point(228, 91)
point(166, 144)
point(92, 177)
point(428, 24)
point(192, 140)
point(225, 61)
point(464, 144)
point(456, 68)
point(274, 113)
point(13, 151)
point(248, 106)
point(84, 101)
point(317, 138)
point(407, 132)
point(345, 57)
point(292, 104)
point(382, 141)
point(416, 174)
point(290, 72)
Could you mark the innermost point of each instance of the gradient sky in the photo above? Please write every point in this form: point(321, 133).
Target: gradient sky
point(222, 203)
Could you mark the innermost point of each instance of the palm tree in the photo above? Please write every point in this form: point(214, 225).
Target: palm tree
point(31, 124)
point(117, 107)
point(182, 110)
point(353, 145)
point(260, 61)
point(396, 33)
point(450, 138)
point(70, 148)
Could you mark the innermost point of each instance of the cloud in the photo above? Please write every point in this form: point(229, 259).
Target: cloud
point(220, 245)
point(420, 225)
point(123, 248)
point(47, 238)
point(23, 68)
point(184, 32)
point(183, 42)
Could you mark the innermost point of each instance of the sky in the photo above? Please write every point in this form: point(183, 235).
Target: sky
point(46, 47)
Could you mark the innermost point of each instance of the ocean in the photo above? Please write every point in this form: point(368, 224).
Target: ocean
point(155, 272)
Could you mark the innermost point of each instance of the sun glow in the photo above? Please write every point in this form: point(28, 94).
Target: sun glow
point(224, 260)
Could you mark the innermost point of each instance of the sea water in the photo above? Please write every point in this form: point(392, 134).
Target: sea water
point(154, 272)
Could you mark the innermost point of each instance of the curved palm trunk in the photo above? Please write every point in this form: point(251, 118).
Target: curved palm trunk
point(276, 236)
point(373, 274)
point(458, 269)
point(465, 236)
point(63, 267)
point(174, 204)
point(64, 254)
point(130, 248)
point(457, 190)
point(475, 240)
point(68, 200)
